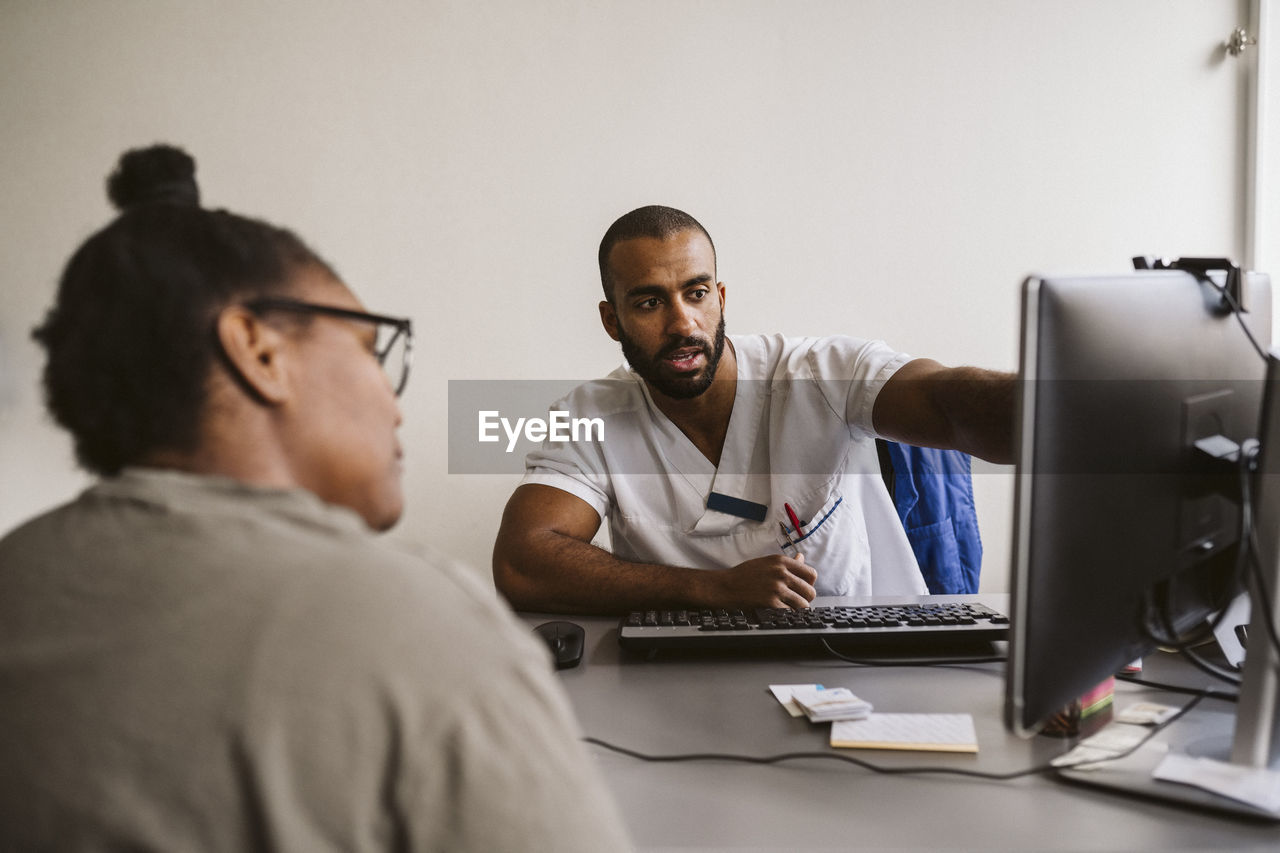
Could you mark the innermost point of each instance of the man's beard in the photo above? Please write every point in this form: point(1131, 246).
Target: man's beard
point(675, 387)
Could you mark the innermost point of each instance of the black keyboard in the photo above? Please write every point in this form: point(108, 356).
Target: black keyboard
point(922, 624)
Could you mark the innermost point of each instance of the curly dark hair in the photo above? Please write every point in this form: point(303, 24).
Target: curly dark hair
point(130, 337)
point(654, 221)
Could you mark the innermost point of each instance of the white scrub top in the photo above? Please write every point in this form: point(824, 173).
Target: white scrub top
point(800, 433)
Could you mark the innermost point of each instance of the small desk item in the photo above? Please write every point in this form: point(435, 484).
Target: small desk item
point(565, 640)
point(825, 706)
point(928, 732)
point(783, 693)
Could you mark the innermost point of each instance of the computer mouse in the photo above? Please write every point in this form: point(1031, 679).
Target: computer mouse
point(566, 641)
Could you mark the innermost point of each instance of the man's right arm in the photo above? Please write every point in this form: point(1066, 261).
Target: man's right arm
point(543, 560)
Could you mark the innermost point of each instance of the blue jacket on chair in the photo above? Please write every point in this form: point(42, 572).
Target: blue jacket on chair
point(933, 493)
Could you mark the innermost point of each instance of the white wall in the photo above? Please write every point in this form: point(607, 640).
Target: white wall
point(877, 167)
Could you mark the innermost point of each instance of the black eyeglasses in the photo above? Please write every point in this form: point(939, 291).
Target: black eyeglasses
point(394, 344)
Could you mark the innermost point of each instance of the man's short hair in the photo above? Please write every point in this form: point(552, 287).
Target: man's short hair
point(653, 221)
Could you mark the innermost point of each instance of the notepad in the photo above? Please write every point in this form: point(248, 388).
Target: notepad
point(928, 732)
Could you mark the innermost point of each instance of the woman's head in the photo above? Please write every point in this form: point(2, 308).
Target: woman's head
point(130, 337)
point(210, 342)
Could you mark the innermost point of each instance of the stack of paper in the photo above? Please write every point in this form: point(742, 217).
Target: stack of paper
point(824, 706)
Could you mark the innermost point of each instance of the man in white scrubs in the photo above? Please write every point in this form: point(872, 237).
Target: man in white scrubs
point(734, 471)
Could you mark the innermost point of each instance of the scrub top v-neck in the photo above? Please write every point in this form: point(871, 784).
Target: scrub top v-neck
point(799, 434)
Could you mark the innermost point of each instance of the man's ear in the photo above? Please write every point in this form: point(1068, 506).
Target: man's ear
point(256, 353)
point(609, 318)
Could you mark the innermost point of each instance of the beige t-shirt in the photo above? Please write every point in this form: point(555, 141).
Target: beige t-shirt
point(189, 663)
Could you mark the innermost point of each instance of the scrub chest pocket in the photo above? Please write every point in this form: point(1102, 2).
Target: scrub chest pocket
point(833, 538)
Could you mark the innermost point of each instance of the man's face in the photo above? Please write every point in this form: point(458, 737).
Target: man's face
point(667, 311)
point(344, 415)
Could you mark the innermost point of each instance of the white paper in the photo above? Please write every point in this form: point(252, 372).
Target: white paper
point(1105, 745)
point(1146, 713)
point(783, 693)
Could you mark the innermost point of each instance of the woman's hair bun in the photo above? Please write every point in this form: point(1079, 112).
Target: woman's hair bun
point(158, 174)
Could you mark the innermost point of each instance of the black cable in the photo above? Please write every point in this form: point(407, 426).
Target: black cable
point(1202, 633)
point(1158, 601)
point(1184, 644)
point(1238, 312)
point(1251, 542)
point(1209, 667)
point(1209, 692)
point(1034, 770)
point(828, 756)
point(1263, 594)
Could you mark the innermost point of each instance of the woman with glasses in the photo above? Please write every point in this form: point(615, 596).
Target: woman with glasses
point(209, 649)
point(176, 328)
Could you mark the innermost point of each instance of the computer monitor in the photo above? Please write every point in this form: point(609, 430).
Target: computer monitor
point(1124, 531)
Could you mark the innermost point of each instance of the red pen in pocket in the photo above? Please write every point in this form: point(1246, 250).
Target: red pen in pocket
point(795, 519)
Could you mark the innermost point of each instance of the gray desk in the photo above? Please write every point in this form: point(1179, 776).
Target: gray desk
point(681, 704)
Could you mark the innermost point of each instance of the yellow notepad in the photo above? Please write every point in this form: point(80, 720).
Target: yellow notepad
point(928, 732)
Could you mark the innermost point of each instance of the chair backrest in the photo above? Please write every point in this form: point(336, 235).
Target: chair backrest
point(932, 491)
